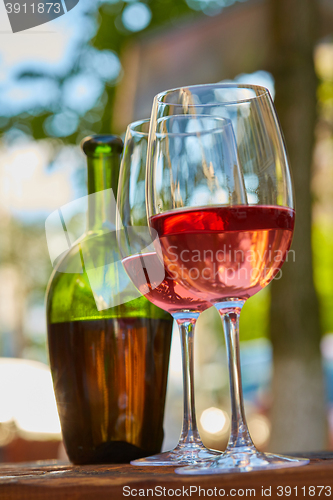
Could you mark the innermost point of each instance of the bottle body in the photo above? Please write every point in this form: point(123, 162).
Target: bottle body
point(110, 377)
point(109, 364)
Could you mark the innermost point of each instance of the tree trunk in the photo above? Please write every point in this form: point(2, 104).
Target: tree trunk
point(298, 412)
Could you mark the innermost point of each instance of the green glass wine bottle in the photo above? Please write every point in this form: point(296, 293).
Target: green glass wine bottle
point(109, 356)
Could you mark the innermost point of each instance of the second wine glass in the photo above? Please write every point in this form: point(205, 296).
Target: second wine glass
point(140, 251)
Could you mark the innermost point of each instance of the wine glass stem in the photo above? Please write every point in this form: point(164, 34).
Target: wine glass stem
point(189, 432)
point(240, 436)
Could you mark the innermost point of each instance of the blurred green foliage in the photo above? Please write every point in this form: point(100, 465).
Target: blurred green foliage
point(255, 316)
point(111, 35)
point(322, 244)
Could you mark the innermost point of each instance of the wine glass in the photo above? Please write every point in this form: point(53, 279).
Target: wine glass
point(142, 260)
point(233, 220)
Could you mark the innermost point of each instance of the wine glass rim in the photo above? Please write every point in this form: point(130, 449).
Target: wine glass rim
point(132, 126)
point(262, 91)
point(224, 121)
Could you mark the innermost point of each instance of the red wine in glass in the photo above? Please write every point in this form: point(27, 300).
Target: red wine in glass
point(169, 294)
point(220, 252)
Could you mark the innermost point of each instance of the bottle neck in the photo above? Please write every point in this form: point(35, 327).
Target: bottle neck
point(103, 173)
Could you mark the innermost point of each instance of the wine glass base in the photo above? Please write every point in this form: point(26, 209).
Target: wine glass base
point(181, 455)
point(243, 461)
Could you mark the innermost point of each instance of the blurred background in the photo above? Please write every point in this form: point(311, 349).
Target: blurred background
point(96, 69)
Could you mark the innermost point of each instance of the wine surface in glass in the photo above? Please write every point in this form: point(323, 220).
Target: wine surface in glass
point(168, 294)
point(225, 251)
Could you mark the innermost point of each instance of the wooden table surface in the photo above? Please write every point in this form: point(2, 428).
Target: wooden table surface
point(54, 480)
